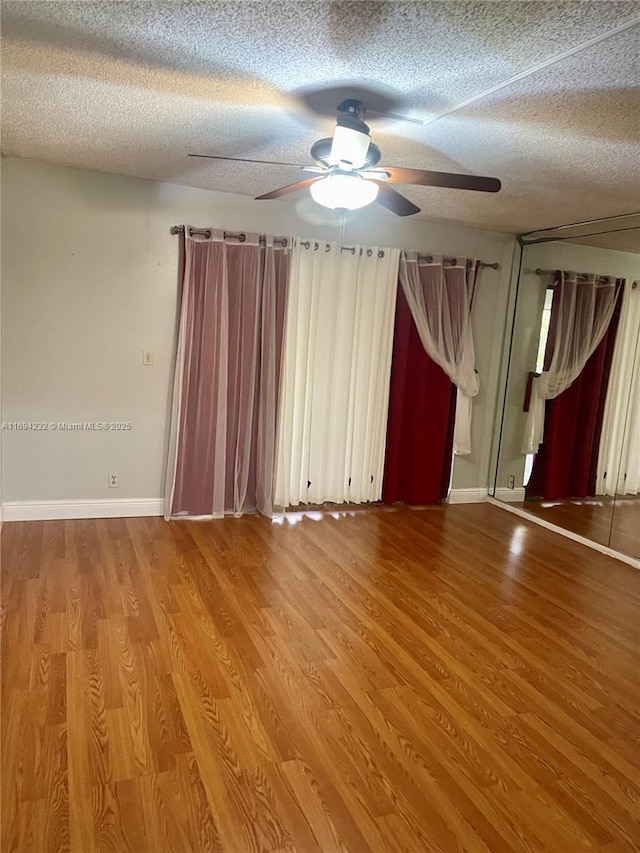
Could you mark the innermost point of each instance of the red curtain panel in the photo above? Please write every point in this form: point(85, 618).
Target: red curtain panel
point(566, 464)
point(422, 406)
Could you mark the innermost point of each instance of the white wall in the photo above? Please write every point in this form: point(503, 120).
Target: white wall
point(529, 306)
point(89, 280)
point(1, 431)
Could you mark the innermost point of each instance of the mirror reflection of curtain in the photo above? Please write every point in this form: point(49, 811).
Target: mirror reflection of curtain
point(335, 379)
point(619, 459)
point(565, 465)
point(222, 444)
point(580, 316)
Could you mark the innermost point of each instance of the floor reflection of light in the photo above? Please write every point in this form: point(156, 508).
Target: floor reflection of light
point(518, 539)
point(290, 518)
point(572, 502)
point(295, 517)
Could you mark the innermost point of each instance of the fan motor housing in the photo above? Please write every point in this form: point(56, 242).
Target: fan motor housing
point(321, 150)
point(353, 122)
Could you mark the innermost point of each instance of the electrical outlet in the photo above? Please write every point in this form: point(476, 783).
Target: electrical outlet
point(512, 481)
point(113, 481)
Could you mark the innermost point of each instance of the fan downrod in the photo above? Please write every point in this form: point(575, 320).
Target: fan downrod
point(350, 106)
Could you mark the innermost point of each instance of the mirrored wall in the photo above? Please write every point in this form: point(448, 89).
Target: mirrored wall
point(569, 437)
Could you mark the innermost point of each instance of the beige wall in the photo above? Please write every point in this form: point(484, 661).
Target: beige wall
point(530, 302)
point(89, 280)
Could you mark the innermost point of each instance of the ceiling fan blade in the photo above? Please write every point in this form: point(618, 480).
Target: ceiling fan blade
point(424, 178)
point(374, 174)
point(393, 201)
point(243, 160)
point(316, 170)
point(290, 188)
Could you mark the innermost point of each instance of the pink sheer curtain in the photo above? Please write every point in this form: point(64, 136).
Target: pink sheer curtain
point(222, 444)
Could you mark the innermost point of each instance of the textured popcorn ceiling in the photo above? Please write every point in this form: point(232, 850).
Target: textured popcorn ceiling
point(619, 241)
point(132, 88)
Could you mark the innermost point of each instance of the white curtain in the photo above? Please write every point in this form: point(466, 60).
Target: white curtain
point(619, 457)
point(582, 314)
point(335, 374)
point(439, 296)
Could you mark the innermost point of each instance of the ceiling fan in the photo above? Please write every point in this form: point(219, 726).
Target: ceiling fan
point(345, 177)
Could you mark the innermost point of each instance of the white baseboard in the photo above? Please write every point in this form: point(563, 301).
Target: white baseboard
point(603, 549)
point(510, 496)
point(46, 510)
point(467, 496)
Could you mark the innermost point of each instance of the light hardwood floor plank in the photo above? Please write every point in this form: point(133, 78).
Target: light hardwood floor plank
point(360, 680)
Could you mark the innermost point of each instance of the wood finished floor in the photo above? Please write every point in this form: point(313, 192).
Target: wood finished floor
point(588, 517)
point(389, 680)
point(601, 519)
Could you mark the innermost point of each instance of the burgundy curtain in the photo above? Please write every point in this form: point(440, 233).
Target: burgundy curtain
point(566, 464)
point(222, 446)
point(439, 292)
point(422, 406)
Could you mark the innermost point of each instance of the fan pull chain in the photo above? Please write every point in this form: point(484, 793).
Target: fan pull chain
point(343, 222)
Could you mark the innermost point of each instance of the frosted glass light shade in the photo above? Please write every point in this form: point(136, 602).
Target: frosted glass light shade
point(343, 191)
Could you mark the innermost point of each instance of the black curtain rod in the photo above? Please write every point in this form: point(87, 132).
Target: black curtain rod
point(228, 235)
point(584, 276)
point(453, 261)
point(282, 241)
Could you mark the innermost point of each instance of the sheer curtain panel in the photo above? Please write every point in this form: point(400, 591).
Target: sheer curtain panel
point(222, 444)
point(335, 378)
point(580, 317)
point(566, 462)
point(619, 460)
point(439, 295)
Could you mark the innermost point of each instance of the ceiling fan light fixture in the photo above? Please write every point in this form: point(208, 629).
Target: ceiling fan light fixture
point(343, 191)
point(349, 147)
